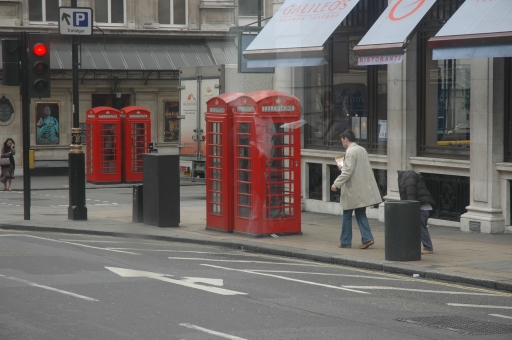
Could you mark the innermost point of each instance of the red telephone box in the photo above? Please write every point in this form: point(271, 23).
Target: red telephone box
point(136, 134)
point(219, 162)
point(267, 164)
point(103, 137)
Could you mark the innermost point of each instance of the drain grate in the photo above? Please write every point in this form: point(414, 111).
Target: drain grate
point(461, 325)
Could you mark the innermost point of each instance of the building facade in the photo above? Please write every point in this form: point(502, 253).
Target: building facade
point(133, 57)
point(449, 119)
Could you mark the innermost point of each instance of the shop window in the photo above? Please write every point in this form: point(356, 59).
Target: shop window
point(111, 100)
point(249, 7)
point(444, 91)
point(172, 12)
point(315, 181)
point(109, 11)
point(334, 172)
point(43, 10)
point(450, 193)
point(343, 95)
point(447, 91)
point(508, 110)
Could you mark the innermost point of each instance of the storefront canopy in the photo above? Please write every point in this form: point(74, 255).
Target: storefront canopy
point(387, 39)
point(137, 55)
point(296, 33)
point(479, 29)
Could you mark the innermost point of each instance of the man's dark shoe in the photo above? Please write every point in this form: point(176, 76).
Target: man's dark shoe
point(366, 244)
point(342, 246)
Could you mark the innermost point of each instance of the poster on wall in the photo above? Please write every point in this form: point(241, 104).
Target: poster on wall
point(47, 123)
point(383, 130)
point(172, 121)
point(188, 108)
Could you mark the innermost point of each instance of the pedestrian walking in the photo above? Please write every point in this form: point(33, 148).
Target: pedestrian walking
point(358, 191)
point(412, 187)
point(7, 153)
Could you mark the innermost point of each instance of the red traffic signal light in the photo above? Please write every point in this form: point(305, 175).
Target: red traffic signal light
point(39, 65)
point(39, 49)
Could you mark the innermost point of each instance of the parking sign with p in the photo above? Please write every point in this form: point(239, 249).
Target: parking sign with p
point(75, 21)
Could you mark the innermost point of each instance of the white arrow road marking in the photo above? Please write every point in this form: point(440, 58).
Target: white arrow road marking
point(478, 306)
point(287, 278)
point(420, 290)
point(244, 261)
point(162, 277)
point(213, 282)
point(33, 284)
point(326, 274)
point(209, 331)
point(501, 316)
point(79, 244)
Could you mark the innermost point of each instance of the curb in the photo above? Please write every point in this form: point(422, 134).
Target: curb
point(344, 260)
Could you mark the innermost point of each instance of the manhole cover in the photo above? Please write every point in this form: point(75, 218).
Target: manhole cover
point(461, 325)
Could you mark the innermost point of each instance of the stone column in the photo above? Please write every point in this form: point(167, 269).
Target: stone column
point(486, 123)
point(402, 117)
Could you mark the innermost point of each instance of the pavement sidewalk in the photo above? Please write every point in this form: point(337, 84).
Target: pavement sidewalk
point(483, 260)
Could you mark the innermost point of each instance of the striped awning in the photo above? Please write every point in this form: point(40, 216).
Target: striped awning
point(142, 55)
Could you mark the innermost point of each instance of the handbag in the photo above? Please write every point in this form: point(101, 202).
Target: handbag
point(4, 161)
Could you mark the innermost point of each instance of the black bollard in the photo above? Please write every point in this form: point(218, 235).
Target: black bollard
point(402, 230)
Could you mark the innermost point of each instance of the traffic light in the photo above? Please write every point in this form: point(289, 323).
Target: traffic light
point(38, 67)
point(11, 62)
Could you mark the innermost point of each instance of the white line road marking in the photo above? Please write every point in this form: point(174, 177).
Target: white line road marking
point(501, 316)
point(478, 306)
point(326, 274)
point(287, 278)
point(79, 244)
point(420, 290)
point(243, 261)
point(157, 276)
point(209, 331)
point(49, 288)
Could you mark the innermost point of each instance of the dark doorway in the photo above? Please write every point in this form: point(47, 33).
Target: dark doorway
point(111, 100)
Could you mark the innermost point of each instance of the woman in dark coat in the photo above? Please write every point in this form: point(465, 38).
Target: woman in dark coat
point(8, 150)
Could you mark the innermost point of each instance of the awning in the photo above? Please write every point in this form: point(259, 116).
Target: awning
point(146, 55)
point(479, 29)
point(296, 33)
point(387, 39)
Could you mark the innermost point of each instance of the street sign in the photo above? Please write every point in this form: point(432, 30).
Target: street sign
point(75, 20)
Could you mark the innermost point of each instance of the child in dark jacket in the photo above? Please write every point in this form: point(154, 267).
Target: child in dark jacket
point(412, 187)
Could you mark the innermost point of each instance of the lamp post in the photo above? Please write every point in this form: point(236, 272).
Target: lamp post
point(76, 157)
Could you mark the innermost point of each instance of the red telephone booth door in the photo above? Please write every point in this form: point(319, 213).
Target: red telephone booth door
point(136, 134)
point(268, 190)
point(246, 200)
point(219, 162)
point(103, 160)
point(279, 137)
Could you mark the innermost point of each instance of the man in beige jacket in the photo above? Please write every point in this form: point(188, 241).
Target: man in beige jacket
point(358, 191)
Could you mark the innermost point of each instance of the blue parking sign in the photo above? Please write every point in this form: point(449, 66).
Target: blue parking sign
point(80, 19)
point(75, 20)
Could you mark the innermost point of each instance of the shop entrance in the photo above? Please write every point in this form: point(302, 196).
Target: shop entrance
point(110, 100)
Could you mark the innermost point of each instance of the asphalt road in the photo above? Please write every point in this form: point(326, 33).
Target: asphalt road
point(58, 286)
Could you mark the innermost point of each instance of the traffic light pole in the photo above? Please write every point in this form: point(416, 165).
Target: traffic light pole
point(25, 113)
point(77, 209)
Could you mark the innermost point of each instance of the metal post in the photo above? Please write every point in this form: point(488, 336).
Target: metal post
point(25, 113)
point(77, 209)
point(260, 10)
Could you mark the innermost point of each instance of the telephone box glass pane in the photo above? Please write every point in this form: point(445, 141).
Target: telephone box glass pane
point(244, 127)
point(244, 212)
point(108, 148)
point(244, 188)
